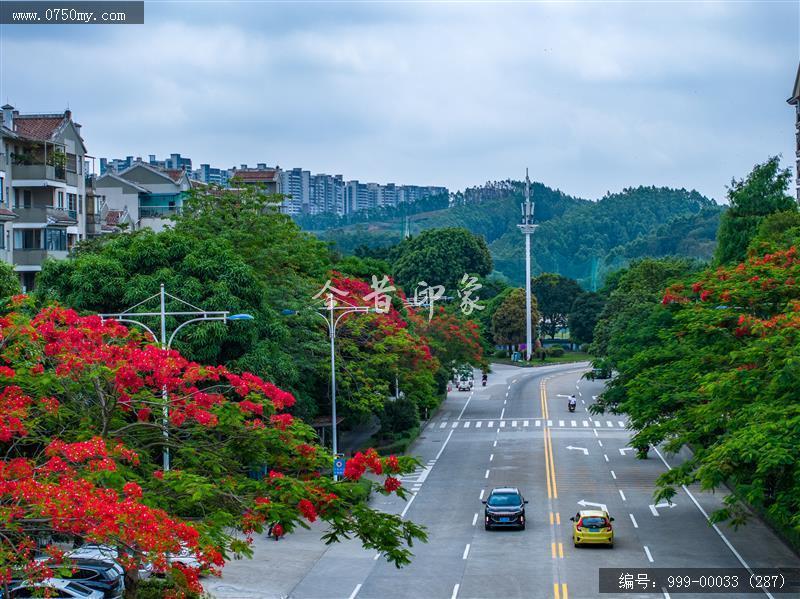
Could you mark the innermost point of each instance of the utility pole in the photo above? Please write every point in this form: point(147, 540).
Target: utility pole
point(527, 228)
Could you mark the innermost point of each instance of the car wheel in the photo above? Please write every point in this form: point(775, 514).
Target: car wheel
point(487, 527)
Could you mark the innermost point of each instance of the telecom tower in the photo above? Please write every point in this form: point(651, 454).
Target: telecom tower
point(527, 228)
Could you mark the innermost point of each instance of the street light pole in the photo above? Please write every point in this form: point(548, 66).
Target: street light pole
point(527, 228)
point(197, 315)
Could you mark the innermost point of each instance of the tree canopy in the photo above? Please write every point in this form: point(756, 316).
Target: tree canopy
point(555, 295)
point(509, 322)
point(761, 193)
point(583, 316)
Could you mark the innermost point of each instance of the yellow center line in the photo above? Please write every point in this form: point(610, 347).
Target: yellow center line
point(561, 550)
point(553, 550)
point(552, 465)
point(551, 518)
point(556, 590)
point(558, 518)
point(564, 593)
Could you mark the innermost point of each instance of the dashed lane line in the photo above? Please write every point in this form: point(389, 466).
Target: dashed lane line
point(647, 551)
point(355, 592)
point(633, 520)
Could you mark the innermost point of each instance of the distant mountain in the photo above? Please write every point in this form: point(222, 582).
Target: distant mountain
point(578, 238)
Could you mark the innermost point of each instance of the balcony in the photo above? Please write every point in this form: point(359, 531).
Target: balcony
point(46, 214)
point(158, 211)
point(40, 172)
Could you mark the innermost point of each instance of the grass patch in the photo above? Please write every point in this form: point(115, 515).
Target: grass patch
point(567, 358)
point(396, 444)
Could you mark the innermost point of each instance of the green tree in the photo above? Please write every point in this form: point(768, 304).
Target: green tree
point(509, 322)
point(555, 295)
point(440, 257)
point(584, 315)
point(761, 193)
point(9, 281)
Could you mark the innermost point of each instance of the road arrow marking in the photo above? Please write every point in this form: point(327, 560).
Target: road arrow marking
point(583, 449)
point(584, 503)
point(663, 504)
point(622, 450)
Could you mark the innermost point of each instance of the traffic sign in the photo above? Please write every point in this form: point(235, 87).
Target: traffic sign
point(338, 466)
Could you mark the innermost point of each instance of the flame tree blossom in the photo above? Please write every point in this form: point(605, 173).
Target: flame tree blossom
point(82, 440)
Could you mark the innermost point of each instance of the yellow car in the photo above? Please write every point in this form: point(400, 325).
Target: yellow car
point(592, 527)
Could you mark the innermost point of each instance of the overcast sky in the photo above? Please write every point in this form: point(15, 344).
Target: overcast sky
point(593, 97)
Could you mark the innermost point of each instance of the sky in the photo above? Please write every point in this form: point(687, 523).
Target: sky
point(592, 97)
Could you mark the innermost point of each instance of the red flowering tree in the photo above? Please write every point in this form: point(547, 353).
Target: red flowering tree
point(82, 434)
point(718, 371)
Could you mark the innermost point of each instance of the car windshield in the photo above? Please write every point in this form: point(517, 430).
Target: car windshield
point(504, 499)
point(594, 522)
point(79, 588)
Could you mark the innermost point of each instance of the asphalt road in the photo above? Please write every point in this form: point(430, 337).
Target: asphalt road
point(518, 432)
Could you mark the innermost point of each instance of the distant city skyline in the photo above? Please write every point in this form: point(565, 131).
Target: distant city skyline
point(591, 97)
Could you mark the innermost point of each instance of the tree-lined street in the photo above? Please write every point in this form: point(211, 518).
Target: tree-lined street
point(517, 432)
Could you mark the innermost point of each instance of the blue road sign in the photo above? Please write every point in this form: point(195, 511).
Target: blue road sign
point(338, 466)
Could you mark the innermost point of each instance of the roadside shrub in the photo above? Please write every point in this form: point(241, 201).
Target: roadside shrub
point(398, 415)
point(500, 353)
point(584, 347)
point(555, 352)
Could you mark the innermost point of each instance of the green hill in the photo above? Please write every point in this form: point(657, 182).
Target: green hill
point(577, 238)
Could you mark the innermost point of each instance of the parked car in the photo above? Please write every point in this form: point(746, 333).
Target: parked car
point(56, 588)
point(505, 508)
point(105, 553)
point(592, 527)
point(103, 575)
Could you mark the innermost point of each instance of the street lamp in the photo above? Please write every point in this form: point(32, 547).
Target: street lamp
point(527, 228)
point(336, 310)
point(198, 314)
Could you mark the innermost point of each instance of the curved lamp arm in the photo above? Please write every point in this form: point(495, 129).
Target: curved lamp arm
point(141, 324)
point(183, 324)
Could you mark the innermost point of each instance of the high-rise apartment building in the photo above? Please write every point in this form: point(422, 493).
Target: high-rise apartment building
point(795, 101)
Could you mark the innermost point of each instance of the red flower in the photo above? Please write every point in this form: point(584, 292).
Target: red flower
point(392, 464)
point(307, 509)
point(281, 421)
point(143, 414)
point(705, 295)
point(159, 474)
point(131, 489)
point(277, 530)
point(391, 484)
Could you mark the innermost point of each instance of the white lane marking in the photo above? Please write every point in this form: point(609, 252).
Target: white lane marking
point(513, 423)
point(455, 592)
point(425, 474)
point(647, 551)
point(633, 520)
point(583, 402)
point(622, 450)
point(474, 518)
point(538, 423)
point(441, 450)
point(377, 555)
point(478, 424)
point(560, 423)
point(621, 423)
point(526, 423)
point(605, 457)
point(714, 526)
point(506, 393)
point(355, 591)
point(621, 494)
point(597, 423)
point(666, 595)
point(466, 552)
point(491, 424)
point(594, 397)
point(583, 449)
point(442, 425)
point(599, 442)
point(574, 424)
point(502, 413)
point(491, 457)
point(495, 443)
point(465, 406)
point(580, 394)
point(577, 386)
point(505, 402)
point(455, 424)
point(609, 423)
point(481, 495)
point(487, 474)
point(549, 423)
point(613, 475)
point(466, 424)
point(502, 424)
point(585, 423)
point(594, 430)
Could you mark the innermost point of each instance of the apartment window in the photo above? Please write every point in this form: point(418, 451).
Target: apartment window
point(72, 201)
point(1, 190)
point(80, 204)
point(55, 240)
point(2, 236)
point(27, 239)
point(72, 163)
point(23, 198)
point(60, 200)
